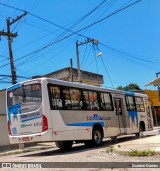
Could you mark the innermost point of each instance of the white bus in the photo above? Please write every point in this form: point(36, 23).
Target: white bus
point(47, 109)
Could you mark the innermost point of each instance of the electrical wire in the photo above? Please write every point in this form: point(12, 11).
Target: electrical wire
point(44, 47)
point(130, 56)
point(107, 72)
point(57, 41)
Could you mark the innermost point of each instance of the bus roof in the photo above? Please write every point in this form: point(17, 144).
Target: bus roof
point(79, 85)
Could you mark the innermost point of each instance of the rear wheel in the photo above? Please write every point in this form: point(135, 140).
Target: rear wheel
point(141, 128)
point(64, 145)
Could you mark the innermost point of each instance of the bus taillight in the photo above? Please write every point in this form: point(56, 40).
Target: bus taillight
point(9, 129)
point(44, 123)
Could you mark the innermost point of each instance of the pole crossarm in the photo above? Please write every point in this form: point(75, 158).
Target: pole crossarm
point(94, 41)
point(2, 33)
point(18, 18)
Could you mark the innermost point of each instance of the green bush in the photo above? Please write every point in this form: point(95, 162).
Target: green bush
point(141, 153)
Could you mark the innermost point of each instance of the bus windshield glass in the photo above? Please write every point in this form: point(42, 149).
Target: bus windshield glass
point(25, 95)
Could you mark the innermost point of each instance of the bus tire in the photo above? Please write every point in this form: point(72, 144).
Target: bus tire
point(64, 145)
point(97, 138)
point(141, 128)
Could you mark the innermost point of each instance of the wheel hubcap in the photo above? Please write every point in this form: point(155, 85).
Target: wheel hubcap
point(97, 137)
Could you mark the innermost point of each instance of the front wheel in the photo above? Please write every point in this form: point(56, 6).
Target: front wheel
point(64, 145)
point(97, 138)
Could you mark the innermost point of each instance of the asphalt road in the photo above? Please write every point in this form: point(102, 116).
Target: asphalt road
point(79, 153)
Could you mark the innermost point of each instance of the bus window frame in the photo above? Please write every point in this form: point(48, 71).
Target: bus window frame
point(82, 99)
point(138, 104)
point(133, 102)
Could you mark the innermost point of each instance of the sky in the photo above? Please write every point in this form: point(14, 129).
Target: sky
point(129, 39)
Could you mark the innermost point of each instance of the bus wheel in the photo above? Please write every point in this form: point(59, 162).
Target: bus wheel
point(97, 137)
point(141, 128)
point(64, 145)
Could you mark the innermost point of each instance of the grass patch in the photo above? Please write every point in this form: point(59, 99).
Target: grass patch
point(110, 149)
point(141, 153)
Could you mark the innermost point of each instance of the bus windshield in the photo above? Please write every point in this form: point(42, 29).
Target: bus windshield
point(27, 94)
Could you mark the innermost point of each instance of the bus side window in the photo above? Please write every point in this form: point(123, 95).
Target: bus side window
point(75, 98)
point(93, 100)
point(86, 102)
point(67, 99)
point(130, 103)
point(139, 104)
point(56, 97)
point(106, 102)
point(102, 102)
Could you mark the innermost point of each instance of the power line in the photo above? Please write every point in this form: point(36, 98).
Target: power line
point(44, 47)
point(117, 11)
point(55, 23)
point(129, 55)
point(107, 72)
point(79, 30)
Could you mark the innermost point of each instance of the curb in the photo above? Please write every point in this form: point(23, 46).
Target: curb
point(26, 150)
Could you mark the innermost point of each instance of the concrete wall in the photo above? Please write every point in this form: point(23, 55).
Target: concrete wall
point(2, 102)
point(4, 140)
point(86, 77)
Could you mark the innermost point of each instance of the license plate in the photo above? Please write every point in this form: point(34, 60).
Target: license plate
point(26, 139)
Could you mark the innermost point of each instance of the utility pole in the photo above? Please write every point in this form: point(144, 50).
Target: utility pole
point(95, 42)
point(157, 75)
point(10, 39)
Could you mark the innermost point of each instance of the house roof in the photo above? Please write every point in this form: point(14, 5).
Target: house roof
point(155, 82)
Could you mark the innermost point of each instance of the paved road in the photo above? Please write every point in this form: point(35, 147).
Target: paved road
point(81, 154)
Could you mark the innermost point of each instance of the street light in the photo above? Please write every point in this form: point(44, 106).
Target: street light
point(99, 54)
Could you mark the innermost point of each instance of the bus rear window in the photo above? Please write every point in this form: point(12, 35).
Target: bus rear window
point(25, 94)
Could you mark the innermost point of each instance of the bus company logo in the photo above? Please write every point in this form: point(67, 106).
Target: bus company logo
point(25, 125)
point(30, 116)
point(98, 117)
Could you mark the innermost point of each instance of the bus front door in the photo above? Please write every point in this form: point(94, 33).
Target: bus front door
point(149, 116)
point(119, 109)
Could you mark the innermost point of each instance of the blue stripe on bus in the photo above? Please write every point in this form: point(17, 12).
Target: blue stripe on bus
point(134, 116)
point(31, 119)
point(128, 93)
point(13, 87)
point(14, 110)
point(86, 124)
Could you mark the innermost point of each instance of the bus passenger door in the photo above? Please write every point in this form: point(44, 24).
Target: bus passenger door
point(149, 116)
point(119, 109)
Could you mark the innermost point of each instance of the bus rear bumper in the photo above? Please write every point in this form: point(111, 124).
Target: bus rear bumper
point(38, 137)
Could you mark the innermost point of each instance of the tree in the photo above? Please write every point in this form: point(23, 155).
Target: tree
point(130, 87)
point(120, 88)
